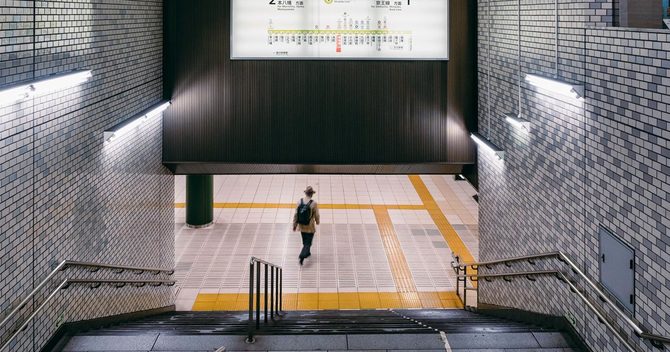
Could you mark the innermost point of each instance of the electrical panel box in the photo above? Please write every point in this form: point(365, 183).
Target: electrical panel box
point(617, 268)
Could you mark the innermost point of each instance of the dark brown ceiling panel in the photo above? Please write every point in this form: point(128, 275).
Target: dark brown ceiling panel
point(245, 169)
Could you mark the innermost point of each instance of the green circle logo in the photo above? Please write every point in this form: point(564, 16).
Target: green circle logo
point(328, 1)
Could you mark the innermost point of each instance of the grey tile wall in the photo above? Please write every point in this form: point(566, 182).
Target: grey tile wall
point(582, 165)
point(628, 146)
point(64, 194)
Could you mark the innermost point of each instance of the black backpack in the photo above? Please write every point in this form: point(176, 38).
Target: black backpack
point(304, 213)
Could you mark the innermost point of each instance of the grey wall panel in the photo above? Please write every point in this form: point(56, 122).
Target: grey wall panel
point(617, 268)
point(640, 13)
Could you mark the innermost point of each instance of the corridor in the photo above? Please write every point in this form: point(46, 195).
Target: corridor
point(384, 241)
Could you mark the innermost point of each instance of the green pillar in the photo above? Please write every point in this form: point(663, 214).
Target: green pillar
point(199, 200)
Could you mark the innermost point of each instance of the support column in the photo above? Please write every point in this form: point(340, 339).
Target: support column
point(199, 200)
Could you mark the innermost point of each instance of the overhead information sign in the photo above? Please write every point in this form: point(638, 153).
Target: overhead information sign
point(340, 29)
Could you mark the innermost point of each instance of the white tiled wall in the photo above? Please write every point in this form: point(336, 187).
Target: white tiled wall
point(583, 164)
point(64, 194)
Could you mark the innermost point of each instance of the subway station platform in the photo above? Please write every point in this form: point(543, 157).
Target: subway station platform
point(384, 241)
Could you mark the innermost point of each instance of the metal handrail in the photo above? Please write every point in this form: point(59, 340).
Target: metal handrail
point(122, 283)
point(257, 260)
point(562, 277)
point(652, 337)
point(276, 293)
point(137, 269)
point(475, 265)
point(475, 277)
point(66, 283)
point(656, 340)
point(71, 263)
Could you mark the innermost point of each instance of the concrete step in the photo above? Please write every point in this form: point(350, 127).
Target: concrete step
point(378, 330)
point(320, 322)
point(523, 342)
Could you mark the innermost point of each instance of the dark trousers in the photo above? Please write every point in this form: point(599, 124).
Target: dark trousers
point(306, 244)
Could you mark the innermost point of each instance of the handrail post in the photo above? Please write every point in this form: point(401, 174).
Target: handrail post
point(273, 289)
point(258, 296)
point(281, 290)
point(465, 288)
point(265, 297)
point(277, 291)
point(458, 280)
point(250, 332)
point(477, 289)
point(272, 293)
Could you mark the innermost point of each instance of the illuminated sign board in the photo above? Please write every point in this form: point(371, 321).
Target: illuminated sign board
point(340, 29)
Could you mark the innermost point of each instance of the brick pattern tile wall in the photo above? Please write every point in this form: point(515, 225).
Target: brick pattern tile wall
point(583, 164)
point(628, 151)
point(64, 194)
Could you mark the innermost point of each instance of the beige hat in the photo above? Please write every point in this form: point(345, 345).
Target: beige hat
point(309, 190)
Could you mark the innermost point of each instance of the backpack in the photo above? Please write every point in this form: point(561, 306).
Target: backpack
point(304, 213)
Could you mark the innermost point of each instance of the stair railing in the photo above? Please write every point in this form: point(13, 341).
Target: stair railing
point(93, 267)
point(276, 306)
point(461, 270)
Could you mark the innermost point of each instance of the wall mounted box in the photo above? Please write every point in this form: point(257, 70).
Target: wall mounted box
point(617, 268)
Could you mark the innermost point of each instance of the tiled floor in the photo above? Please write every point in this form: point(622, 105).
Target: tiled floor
point(385, 241)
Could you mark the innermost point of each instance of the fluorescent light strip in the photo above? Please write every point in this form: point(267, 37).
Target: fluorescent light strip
point(131, 124)
point(44, 86)
point(486, 144)
point(13, 95)
point(60, 82)
point(517, 122)
point(158, 110)
point(556, 86)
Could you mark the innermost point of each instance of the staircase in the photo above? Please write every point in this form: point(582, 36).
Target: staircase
point(377, 330)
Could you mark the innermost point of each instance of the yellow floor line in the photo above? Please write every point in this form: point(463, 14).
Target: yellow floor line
point(448, 232)
point(402, 275)
point(292, 206)
point(334, 301)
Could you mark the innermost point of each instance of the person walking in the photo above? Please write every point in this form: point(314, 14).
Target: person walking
point(305, 219)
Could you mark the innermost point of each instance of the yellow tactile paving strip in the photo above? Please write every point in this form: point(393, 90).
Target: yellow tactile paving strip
point(450, 235)
point(334, 301)
point(402, 275)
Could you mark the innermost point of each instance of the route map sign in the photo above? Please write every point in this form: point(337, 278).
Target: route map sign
point(340, 29)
